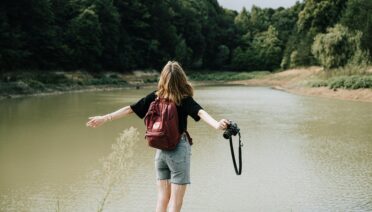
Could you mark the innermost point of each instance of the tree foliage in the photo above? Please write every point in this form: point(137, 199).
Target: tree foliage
point(337, 47)
point(143, 34)
point(358, 16)
point(318, 15)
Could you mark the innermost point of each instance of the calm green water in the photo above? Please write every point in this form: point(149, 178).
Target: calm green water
point(300, 153)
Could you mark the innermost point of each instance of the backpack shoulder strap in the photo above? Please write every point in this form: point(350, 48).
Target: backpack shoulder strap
point(188, 137)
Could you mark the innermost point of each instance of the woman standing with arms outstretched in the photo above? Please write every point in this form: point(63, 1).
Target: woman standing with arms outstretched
point(172, 166)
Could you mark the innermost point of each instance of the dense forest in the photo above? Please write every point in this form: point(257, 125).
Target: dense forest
point(125, 35)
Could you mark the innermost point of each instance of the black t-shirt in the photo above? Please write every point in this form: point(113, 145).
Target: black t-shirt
point(187, 107)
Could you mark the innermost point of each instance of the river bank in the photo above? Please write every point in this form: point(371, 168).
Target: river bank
point(36, 83)
point(301, 81)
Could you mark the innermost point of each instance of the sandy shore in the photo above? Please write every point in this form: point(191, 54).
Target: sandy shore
point(296, 81)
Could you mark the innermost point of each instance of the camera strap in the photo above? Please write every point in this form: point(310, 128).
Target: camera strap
point(238, 171)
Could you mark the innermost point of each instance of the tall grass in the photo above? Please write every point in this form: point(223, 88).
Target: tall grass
point(115, 167)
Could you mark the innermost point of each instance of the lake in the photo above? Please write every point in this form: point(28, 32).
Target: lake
point(299, 154)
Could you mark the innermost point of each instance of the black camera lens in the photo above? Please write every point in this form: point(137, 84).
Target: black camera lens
point(227, 134)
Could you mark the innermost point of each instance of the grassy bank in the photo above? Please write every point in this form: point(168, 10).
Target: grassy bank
point(23, 83)
point(343, 78)
point(33, 82)
point(348, 77)
point(346, 82)
point(311, 81)
point(225, 75)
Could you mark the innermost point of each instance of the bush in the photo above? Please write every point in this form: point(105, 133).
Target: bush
point(319, 83)
point(53, 78)
point(337, 82)
point(151, 80)
point(107, 81)
point(36, 84)
point(363, 82)
point(18, 87)
point(351, 82)
point(220, 76)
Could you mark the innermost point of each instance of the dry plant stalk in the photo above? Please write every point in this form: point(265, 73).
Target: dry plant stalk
point(116, 166)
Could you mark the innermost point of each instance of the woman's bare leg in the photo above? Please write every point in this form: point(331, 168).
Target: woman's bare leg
point(164, 193)
point(176, 199)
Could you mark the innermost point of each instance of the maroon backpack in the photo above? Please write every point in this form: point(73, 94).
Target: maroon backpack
point(161, 122)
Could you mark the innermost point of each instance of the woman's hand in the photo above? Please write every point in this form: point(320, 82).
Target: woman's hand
point(96, 121)
point(218, 125)
point(222, 124)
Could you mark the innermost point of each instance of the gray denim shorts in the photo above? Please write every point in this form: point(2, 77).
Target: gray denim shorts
point(174, 164)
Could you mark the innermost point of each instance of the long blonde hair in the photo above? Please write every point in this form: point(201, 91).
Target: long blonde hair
point(173, 83)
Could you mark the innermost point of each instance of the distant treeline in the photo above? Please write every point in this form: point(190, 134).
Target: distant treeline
point(143, 34)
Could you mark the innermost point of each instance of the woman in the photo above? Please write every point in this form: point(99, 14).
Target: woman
point(172, 167)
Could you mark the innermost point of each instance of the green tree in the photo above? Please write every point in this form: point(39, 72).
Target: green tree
point(182, 52)
point(260, 19)
point(337, 47)
point(84, 35)
point(228, 38)
point(12, 52)
point(188, 23)
point(268, 47)
point(223, 55)
point(284, 20)
point(358, 16)
point(238, 58)
point(109, 21)
point(315, 17)
point(318, 15)
point(242, 20)
point(28, 36)
point(134, 33)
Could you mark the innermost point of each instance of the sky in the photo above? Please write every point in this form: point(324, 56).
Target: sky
point(239, 4)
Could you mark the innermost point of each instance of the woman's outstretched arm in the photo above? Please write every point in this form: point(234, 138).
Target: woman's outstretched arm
point(218, 125)
point(96, 121)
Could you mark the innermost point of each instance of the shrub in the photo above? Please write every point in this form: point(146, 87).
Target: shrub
point(36, 84)
point(319, 83)
point(351, 82)
point(151, 80)
point(219, 76)
point(337, 82)
point(363, 82)
point(18, 87)
point(107, 81)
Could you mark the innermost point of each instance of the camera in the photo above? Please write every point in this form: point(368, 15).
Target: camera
point(232, 129)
